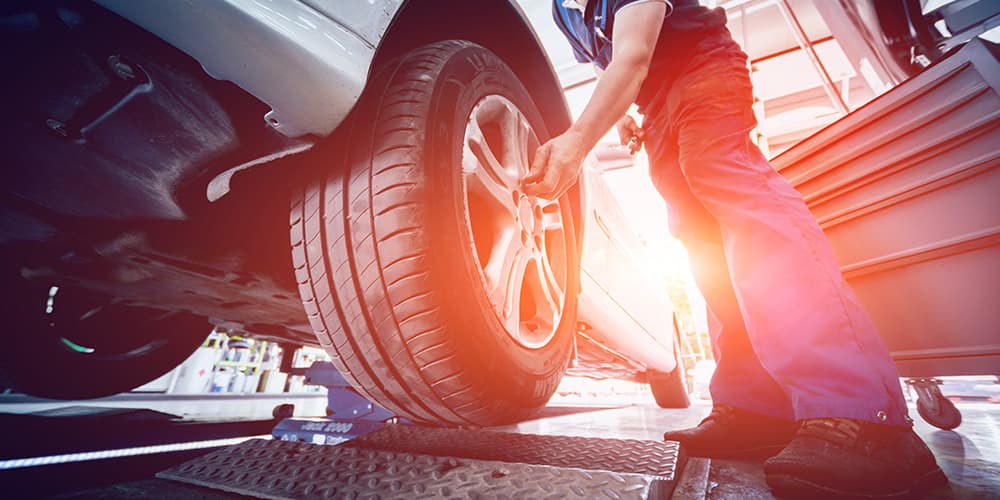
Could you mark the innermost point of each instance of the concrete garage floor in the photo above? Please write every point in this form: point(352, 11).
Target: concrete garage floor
point(969, 455)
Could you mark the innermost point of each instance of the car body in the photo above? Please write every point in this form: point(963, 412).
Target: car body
point(158, 146)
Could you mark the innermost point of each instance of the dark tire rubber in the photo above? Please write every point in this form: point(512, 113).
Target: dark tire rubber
point(670, 389)
point(947, 416)
point(385, 261)
point(117, 348)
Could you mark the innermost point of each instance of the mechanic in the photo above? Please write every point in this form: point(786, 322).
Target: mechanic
point(802, 371)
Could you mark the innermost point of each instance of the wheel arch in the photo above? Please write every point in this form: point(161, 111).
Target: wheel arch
point(498, 25)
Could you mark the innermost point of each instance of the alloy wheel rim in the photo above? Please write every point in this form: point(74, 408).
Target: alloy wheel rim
point(519, 241)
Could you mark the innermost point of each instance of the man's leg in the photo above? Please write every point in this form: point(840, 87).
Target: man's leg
point(763, 422)
point(739, 380)
point(803, 321)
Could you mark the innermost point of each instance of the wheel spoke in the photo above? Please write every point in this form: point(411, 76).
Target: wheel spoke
point(483, 166)
point(549, 301)
point(525, 143)
point(505, 273)
point(551, 216)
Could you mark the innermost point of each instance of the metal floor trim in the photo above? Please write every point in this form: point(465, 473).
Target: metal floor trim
point(287, 470)
point(654, 458)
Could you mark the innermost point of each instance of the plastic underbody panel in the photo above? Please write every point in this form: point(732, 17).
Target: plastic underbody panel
point(111, 140)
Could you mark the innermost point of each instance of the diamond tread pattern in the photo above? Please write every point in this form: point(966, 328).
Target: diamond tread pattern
point(280, 469)
point(654, 458)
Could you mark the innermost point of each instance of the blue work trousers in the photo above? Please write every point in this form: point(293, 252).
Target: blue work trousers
point(790, 338)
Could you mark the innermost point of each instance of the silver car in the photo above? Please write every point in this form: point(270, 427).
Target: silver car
point(336, 171)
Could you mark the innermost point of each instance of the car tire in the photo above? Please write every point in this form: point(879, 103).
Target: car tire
point(80, 345)
point(440, 291)
point(943, 415)
point(670, 389)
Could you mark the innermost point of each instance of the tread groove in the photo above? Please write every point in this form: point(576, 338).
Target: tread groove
point(351, 265)
point(312, 289)
point(400, 232)
point(405, 258)
point(395, 166)
point(395, 206)
point(395, 186)
point(377, 341)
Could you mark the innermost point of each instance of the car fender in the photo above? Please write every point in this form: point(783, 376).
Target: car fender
point(624, 308)
point(307, 60)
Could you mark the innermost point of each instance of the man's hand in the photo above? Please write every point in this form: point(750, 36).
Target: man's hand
point(630, 134)
point(556, 166)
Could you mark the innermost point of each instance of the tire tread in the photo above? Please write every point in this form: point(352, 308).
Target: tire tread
point(358, 248)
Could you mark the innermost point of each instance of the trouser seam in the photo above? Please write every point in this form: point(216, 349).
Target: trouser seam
point(812, 252)
point(831, 282)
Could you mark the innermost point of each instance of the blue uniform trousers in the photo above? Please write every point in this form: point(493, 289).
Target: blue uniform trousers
point(790, 337)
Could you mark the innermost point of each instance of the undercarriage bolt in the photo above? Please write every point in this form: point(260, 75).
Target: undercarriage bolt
point(122, 70)
point(57, 126)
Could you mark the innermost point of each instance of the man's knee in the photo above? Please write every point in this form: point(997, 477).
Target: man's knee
point(693, 224)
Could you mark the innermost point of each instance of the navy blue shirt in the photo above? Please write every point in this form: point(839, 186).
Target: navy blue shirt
point(590, 32)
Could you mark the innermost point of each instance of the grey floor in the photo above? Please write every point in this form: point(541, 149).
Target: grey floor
point(969, 455)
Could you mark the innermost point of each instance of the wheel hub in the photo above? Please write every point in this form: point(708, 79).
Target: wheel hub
point(526, 216)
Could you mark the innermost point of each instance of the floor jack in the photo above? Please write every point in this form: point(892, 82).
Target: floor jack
point(377, 455)
point(349, 414)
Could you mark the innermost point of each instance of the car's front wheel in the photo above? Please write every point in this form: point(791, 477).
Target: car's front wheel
point(440, 290)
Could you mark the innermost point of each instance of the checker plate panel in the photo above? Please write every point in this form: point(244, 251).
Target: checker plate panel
point(654, 458)
point(278, 469)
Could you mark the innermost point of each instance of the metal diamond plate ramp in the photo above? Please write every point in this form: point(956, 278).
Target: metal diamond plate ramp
point(278, 469)
point(633, 456)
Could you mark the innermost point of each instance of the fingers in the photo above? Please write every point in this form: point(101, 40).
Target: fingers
point(539, 180)
point(630, 134)
point(634, 145)
point(538, 166)
point(549, 188)
point(554, 183)
point(544, 185)
point(554, 169)
point(543, 175)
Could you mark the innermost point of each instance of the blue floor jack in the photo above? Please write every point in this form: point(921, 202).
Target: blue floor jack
point(349, 414)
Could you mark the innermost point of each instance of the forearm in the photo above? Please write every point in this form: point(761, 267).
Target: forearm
point(617, 87)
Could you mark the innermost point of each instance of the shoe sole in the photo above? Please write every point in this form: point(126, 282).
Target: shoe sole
point(783, 485)
point(759, 452)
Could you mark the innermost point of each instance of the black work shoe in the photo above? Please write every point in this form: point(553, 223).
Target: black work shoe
point(846, 458)
point(729, 432)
